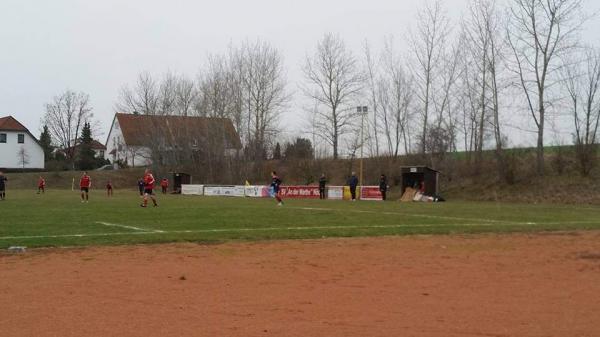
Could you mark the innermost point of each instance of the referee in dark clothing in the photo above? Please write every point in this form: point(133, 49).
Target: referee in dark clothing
point(322, 186)
point(383, 186)
point(3, 180)
point(353, 183)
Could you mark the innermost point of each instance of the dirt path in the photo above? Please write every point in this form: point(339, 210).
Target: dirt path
point(517, 285)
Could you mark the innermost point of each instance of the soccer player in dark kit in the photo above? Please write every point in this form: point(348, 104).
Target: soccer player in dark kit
point(141, 186)
point(276, 184)
point(3, 180)
point(149, 188)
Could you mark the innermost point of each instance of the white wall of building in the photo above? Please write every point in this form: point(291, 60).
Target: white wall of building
point(9, 151)
point(99, 153)
point(135, 156)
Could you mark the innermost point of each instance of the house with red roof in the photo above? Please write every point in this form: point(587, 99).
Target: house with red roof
point(137, 140)
point(98, 148)
point(19, 149)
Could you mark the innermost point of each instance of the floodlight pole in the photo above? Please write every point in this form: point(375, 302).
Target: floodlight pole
point(362, 110)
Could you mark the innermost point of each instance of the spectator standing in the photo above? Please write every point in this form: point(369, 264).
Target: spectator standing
point(353, 183)
point(322, 186)
point(383, 186)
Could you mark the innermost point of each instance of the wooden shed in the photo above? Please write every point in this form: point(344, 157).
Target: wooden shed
point(181, 179)
point(421, 177)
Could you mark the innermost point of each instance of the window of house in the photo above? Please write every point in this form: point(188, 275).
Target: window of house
point(2, 137)
point(21, 138)
point(101, 154)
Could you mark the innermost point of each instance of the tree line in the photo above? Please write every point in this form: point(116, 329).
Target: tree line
point(451, 89)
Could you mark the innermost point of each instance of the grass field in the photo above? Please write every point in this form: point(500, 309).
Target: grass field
point(58, 218)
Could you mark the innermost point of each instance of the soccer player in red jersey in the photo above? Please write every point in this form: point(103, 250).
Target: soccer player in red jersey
point(165, 185)
point(149, 188)
point(109, 188)
point(41, 185)
point(85, 183)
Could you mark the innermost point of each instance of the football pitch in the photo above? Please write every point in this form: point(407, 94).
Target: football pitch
point(58, 218)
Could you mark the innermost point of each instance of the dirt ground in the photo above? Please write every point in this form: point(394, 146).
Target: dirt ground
point(489, 285)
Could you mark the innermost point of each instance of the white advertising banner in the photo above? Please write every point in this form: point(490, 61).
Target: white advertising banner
point(227, 191)
point(256, 191)
point(192, 189)
point(335, 192)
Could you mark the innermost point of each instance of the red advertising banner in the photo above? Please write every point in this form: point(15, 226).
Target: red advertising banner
point(300, 192)
point(370, 193)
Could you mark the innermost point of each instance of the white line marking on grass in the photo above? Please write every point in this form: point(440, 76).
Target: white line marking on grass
point(406, 214)
point(72, 235)
point(267, 229)
point(127, 227)
point(224, 230)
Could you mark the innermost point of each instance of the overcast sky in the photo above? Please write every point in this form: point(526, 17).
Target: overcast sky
point(47, 47)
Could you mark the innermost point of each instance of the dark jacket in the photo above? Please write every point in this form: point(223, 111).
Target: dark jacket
point(383, 183)
point(353, 181)
point(276, 183)
point(322, 182)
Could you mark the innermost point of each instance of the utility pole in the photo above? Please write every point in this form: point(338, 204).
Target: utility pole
point(362, 110)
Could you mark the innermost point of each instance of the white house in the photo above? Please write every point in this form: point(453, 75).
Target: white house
point(130, 136)
point(19, 149)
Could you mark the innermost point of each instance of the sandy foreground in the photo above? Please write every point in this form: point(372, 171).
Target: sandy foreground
point(485, 285)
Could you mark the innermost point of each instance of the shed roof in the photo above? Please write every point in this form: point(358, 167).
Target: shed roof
point(421, 168)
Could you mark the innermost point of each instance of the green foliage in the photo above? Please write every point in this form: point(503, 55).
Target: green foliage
point(46, 143)
point(300, 149)
point(86, 157)
point(277, 152)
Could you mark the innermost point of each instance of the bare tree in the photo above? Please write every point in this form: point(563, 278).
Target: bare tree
point(167, 95)
point(428, 48)
point(265, 87)
point(172, 95)
point(142, 99)
point(23, 157)
point(247, 85)
point(483, 61)
point(582, 82)
point(186, 96)
point(443, 98)
point(540, 34)
point(394, 95)
point(333, 79)
point(65, 117)
point(372, 77)
point(214, 88)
